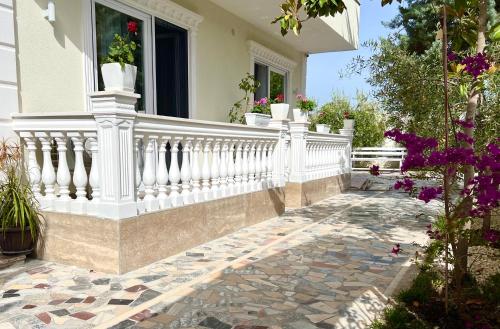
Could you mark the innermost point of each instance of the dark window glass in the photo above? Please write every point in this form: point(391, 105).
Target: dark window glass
point(108, 23)
point(171, 70)
point(277, 85)
point(261, 75)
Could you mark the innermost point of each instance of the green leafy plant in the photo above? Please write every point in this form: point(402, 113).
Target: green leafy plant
point(248, 85)
point(122, 49)
point(18, 206)
point(291, 10)
point(305, 104)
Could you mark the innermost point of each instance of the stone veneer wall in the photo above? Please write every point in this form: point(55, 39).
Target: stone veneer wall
point(121, 246)
point(304, 194)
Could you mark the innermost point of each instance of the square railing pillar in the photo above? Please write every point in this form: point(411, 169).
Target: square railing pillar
point(298, 140)
point(280, 152)
point(114, 113)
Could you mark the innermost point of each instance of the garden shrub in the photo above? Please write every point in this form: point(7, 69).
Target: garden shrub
point(491, 289)
point(421, 290)
point(397, 317)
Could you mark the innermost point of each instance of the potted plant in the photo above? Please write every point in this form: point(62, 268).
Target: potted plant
point(260, 114)
point(301, 114)
point(348, 120)
point(279, 109)
point(119, 72)
point(20, 224)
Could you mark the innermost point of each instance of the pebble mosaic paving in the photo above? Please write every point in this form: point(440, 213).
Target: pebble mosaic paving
point(324, 266)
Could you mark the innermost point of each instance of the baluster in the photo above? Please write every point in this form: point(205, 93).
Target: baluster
point(196, 173)
point(270, 164)
point(231, 170)
point(34, 173)
point(245, 168)
point(214, 172)
point(223, 169)
point(187, 197)
point(48, 173)
point(94, 177)
point(174, 173)
point(205, 170)
point(238, 169)
point(251, 168)
point(258, 166)
point(264, 164)
point(63, 175)
point(149, 175)
point(79, 177)
point(162, 174)
point(141, 207)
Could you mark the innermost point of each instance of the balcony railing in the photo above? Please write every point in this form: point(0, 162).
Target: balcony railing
point(115, 163)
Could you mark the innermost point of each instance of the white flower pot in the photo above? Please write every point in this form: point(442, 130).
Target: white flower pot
point(348, 124)
point(280, 111)
point(322, 128)
point(257, 119)
point(117, 79)
point(299, 116)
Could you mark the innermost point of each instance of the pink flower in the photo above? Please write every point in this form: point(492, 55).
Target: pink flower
point(375, 170)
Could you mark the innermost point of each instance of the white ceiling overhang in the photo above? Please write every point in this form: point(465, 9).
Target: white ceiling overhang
point(318, 35)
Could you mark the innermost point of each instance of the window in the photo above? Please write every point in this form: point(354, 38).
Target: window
point(272, 81)
point(161, 57)
point(272, 70)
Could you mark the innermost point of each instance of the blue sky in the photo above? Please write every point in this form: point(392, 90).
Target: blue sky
point(323, 69)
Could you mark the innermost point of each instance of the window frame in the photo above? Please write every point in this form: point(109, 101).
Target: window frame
point(170, 12)
point(274, 61)
point(148, 46)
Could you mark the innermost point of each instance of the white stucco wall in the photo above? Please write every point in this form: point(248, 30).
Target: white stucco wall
point(50, 56)
point(51, 72)
point(8, 72)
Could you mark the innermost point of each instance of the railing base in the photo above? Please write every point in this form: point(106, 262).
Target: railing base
point(120, 246)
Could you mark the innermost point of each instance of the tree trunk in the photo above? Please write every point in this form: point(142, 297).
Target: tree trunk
point(472, 104)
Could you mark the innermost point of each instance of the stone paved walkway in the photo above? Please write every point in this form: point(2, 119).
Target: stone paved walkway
point(325, 266)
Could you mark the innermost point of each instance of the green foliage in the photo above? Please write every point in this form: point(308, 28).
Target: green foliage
point(369, 121)
point(306, 104)
point(18, 206)
point(409, 89)
point(421, 290)
point(397, 317)
point(291, 9)
point(248, 85)
point(491, 289)
point(121, 50)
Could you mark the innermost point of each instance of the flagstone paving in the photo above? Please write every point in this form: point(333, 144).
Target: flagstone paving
point(324, 266)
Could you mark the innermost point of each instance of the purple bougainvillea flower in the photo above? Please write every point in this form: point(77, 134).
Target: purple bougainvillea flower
point(375, 170)
point(429, 193)
point(476, 65)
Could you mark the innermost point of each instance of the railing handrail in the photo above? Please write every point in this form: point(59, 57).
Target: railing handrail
point(146, 123)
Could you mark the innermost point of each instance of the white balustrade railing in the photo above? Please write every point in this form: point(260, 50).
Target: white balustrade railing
point(377, 155)
point(115, 163)
point(318, 155)
point(187, 161)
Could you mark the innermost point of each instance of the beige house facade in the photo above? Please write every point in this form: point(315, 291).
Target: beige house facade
point(51, 66)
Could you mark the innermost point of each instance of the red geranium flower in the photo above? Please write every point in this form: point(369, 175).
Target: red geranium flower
point(132, 27)
point(280, 98)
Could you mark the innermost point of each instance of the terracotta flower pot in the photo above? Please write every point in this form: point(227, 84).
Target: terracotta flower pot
point(13, 243)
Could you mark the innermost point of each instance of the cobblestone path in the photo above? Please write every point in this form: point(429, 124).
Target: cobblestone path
point(324, 266)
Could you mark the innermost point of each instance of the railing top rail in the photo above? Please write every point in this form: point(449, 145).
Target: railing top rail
point(152, 124)
point(380, 148)
point(327, 137)
point(53, 122)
